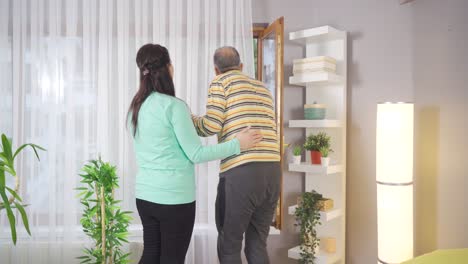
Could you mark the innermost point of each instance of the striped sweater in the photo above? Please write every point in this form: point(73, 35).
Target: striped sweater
point(236, 101)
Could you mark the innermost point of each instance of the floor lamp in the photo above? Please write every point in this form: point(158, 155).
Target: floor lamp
point(394, 175)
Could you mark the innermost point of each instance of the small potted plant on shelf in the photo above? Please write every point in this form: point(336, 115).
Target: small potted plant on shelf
point(307, 216)
point(316, 142)
point(324, 159)
point(297, 150)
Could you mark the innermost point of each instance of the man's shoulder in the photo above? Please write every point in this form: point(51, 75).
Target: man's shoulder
point(231, 77)
point(226, 77)
point(257, 83)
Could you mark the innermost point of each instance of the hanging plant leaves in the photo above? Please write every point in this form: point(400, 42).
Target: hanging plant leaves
point(307, 218)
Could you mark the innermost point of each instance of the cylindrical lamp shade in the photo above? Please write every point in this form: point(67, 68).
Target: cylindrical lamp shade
point(394, 182)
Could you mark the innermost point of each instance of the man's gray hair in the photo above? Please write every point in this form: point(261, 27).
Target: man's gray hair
point(227, 58)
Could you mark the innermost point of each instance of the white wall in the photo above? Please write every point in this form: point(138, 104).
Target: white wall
point(389, 51)
point(440, 69)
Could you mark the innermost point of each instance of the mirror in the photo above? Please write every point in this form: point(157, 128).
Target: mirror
point(268, 52)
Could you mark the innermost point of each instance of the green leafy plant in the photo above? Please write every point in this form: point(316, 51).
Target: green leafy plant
point(7, 168)
point(297, 150)
point(307, 216)
point(102, 220)
point(325, 151)
point(318, 141)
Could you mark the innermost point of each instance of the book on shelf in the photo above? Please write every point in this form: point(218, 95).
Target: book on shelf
point(315, 59)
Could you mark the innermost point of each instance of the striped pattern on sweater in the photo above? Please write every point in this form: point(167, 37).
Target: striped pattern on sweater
point(236, 101)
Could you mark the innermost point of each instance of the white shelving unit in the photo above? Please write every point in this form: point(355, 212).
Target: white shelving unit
point(317, 34)
point(274, 231)
point(314, 123)
point(316, 78)
point(322, 257)
point(315, 169)
point(324, 216)
point(329, 89)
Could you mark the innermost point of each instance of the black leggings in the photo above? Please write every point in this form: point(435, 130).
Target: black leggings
point(167, 230)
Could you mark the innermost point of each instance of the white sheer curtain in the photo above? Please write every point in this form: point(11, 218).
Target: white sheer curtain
point(67, 75)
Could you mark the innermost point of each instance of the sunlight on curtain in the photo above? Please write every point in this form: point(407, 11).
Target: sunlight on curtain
point(6, 90)
point(67, 75)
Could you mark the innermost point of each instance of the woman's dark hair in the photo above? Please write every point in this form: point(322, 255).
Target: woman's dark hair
point(153, 61)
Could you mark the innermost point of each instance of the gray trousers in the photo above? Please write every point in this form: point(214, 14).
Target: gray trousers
point(245, 204)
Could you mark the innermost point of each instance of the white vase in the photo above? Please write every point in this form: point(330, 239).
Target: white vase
point(325, 161)
point(297, 159)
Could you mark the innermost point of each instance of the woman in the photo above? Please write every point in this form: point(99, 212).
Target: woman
point(167, 146)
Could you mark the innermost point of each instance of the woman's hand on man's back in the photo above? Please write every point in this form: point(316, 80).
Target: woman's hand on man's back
point(249, 137)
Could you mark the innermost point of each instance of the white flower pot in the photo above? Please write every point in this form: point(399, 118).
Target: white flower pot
point(325, 161)
point(297, 159)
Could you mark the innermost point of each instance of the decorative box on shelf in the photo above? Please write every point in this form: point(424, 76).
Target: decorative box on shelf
point(328, 244)
point(324, 204)
point(314, 111)
point(314, 64)
point(320, 77)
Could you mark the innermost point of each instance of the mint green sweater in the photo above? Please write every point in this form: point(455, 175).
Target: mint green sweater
point(166, 147)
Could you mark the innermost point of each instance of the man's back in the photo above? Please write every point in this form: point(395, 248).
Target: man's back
point(236, 101)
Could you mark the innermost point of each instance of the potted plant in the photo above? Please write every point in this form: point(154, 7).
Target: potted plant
point(324, 159)
point(316, 142)
point(7, 168)
point(103, 220)
point(307, 216)
point(297, 150)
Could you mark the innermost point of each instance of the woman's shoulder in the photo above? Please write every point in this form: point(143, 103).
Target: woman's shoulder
point(180, 109)
point(170, 104)
point(161, 100)
point(174, 102)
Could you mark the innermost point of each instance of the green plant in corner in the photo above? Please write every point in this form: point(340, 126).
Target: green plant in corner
point(307, 216)
point(297, 150)
point(7, 168)
point(102, 220)
point(318, 141)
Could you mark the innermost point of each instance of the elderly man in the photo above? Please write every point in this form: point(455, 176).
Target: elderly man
point(249, 184)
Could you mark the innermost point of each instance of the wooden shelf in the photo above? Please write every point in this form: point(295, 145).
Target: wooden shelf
point(325, 33)
point(314, 169)
point(324, 123)
point(324, 216)
point(321, 258)
point(315, 78)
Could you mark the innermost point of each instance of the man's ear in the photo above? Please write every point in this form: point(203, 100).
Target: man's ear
point(217, 71)
point(241, 66)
